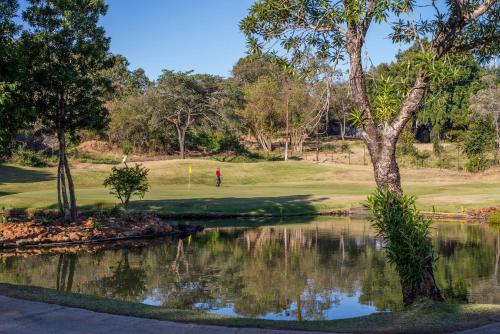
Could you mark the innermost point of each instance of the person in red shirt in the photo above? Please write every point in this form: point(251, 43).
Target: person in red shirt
point(217, 177)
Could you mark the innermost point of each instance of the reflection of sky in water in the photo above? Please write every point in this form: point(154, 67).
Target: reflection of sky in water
point(342, 306)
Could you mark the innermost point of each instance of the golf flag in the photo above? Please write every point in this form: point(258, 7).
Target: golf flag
point(190, 170)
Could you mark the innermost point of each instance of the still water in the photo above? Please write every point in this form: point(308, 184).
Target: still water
point(320, 269)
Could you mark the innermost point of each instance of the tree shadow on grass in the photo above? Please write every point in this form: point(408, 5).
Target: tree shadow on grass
point(276, 206)
point(13, 174)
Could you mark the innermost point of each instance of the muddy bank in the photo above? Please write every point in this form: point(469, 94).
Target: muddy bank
point(45, 231)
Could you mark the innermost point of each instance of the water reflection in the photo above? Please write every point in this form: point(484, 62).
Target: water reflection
point(322, 270)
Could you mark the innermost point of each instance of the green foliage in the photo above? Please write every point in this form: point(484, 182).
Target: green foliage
point(30, 158)
point(214, 141)
point(478, 140)
point(67, 52)
point(345, 147)
point(421, 157)
point(387, 98)
point(405, 233)
point(13, 114)
point(328, 148)
point(477, 163)
point(126, 182)
point(407, 140)
point(494, 218)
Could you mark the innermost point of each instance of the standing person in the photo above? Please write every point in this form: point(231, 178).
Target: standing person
point(217, 177)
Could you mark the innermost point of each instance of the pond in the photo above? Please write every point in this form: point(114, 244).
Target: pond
point(326, 268)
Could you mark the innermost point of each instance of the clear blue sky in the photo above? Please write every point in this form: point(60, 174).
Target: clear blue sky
point(199, 35)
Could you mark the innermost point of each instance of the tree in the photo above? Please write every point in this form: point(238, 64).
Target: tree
point(478, 140)
point(13, 116)
point(180, 98)
point(126, 182)
point(261, 111)
point(249, 69)
point(68, 52)
point(124, 81)
point(333, 29)
point(486, 103)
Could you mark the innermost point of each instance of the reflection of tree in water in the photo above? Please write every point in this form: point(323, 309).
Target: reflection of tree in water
point(466, 270)
point(126, 282)
point(65, 272)
point(270, 269)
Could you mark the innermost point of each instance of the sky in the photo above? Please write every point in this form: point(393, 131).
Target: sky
point(198, 35)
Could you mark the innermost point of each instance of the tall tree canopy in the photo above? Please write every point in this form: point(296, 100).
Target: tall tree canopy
point(12, 114)
point(336, 29)
point(68, 53)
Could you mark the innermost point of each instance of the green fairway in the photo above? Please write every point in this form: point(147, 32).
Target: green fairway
point(264, 187)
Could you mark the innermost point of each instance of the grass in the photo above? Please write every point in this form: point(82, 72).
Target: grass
point(279, 188)
point(424, 318)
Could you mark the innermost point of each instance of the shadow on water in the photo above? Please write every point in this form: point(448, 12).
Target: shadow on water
point(13, 174)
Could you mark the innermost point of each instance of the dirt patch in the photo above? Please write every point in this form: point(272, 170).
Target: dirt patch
point(96, 146)
point(44, 232)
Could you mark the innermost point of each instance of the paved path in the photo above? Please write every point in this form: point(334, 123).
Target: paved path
point(27, 317)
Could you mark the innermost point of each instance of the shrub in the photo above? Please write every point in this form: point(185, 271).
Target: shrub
point(405, 233)
point(214, 141)
point(126, 182)
point(420, 157)
point(328, 148)
point(345, 147)
point(478, 140)
point(30, 158)
point(494, 217)
point(407, 141)
point(477, 163)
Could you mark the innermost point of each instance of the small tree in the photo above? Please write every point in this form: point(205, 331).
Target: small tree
point(126, 182)
point(479, 139)
point(68, 53)
point(407, 241)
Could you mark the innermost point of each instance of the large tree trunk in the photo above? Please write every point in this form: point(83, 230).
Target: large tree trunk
point(181, 135)
point(381, 145)
point(385, 168)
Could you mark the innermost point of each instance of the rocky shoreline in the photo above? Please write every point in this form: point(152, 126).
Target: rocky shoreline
point(44, 231)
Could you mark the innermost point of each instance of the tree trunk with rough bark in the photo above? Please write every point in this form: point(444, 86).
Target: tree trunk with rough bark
point(181, 137)
point(381, 144)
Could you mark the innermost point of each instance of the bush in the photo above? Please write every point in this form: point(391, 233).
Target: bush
point(214, 141)
point(126, 182)
point(494, 217)
point(479, 139)
point(328, 148)
point(30, 158)
point(420, 157)
point(407, 146)
point(477, 163)
point(405, 234)
point(345, 147)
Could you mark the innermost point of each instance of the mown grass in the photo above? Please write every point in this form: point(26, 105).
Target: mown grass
point(279, 188)
point(424, 318)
